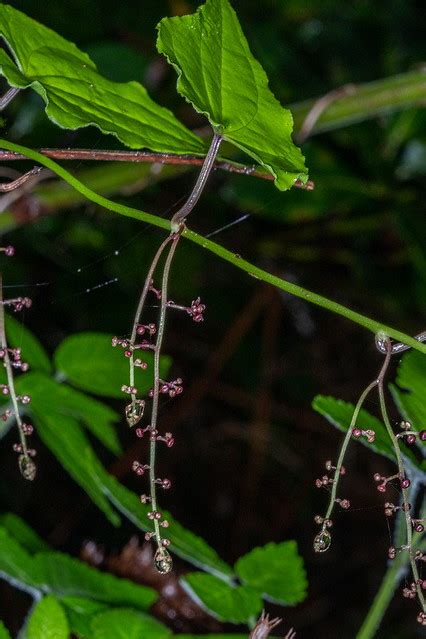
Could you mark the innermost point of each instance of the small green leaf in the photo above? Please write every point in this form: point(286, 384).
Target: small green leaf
point(76, 95)
point(339, 413)
point(23, 533)
point(47, 620)
point(58, 574)
point(33, 352)
point(410, 392)
point(4, 633)
point(89, 362)
point(49, 396)
point(184, 543)
point(227, 603)
point(16, 565)
point(79, 613)
point(127, 624)
point(64, 575)
point(218, 74)
point(275, 570)
point(67, 441)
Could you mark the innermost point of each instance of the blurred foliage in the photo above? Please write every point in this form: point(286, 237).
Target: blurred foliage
point(359, 237)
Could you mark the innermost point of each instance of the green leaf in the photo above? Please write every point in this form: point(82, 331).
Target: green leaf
point(89, 362)
point(224, 602)
point(47, 620)
point(79, 613)
point(32, 350)
point(64, 575)
point(67, 441)
point(339, 413)
point(218, 74)
point(127, 624)
point(16, 564)
point(275, 570)
point(59, 400)
point(410, 392)
point(4, 633)
point(58, 574)
point(76, 95)
point(23, 533)
point(184, 543)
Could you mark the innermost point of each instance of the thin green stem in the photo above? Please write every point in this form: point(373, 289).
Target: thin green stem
point(221, 252)
point(156, 394)
point(381, 600)
point(404, 491)
point(337, 472)
point(25, 460)
point(138, 313)
point(386, 591)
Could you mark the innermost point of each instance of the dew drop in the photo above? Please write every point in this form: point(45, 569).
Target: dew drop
point(163, 561)
point(27, 467)
point(322, 541)
point(134, 411)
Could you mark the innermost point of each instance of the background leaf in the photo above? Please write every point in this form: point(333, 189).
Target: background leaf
point(77, 96)
point(16, 565)
point(79, 613)
point(67, 441)
point(65, 575)
point(339, 413)
point(127, 624)
point(57, 573)
point(33, 352)
point(47, 620)
point(275, 570)
point(184, 543)
point(220, 77)
point(23, 533)
point(59, 400)
point(88, 361)
point(4, 633)
point(409, 393)
point(227, 603)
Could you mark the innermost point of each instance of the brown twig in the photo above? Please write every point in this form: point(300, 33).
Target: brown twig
point(146, 156)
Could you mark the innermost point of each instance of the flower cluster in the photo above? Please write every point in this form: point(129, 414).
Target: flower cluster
point(11, 358)
point(148, 337)
point(399, 481)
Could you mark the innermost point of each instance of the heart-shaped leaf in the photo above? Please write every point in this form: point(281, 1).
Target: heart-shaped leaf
point(218, 74)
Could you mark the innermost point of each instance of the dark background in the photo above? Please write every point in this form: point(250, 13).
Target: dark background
point(249, 446)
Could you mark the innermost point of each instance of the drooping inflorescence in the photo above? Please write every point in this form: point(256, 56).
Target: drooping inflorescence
point(12, 360)
point(399, 481)
point(148, 337)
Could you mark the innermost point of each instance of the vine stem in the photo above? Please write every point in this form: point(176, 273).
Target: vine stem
point(401, 472)
point(180, 217)
point(9, 374)
point(220, 251)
